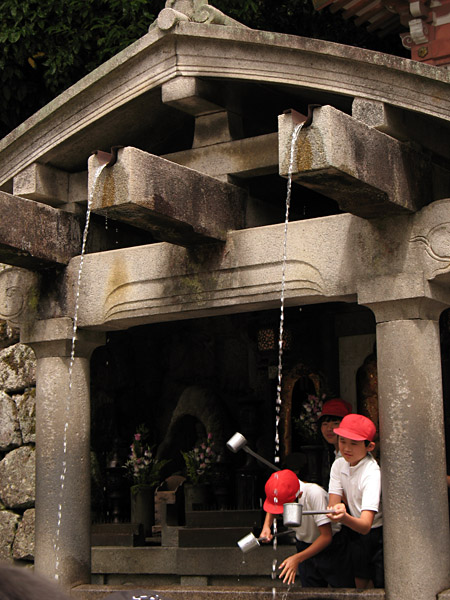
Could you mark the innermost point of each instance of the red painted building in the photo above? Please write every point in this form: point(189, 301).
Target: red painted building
point(423, 26)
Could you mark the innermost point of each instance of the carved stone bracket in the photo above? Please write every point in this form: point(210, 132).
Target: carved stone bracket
point(19, 294)
point(196, 11)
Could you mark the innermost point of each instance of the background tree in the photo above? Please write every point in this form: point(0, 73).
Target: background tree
point(47, 45)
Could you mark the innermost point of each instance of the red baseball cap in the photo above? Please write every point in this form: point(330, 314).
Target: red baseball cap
point(281, 487)
point(336, 407)
point(356, 427)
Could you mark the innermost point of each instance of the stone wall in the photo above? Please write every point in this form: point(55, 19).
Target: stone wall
point(17, 447)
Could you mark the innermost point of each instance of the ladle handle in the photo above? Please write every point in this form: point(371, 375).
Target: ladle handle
point(318, 512)
point(260, 458)
point(277, 534)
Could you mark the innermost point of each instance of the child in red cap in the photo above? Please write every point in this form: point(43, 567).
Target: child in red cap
point(333, 411)
point(321, 559)
point(356, 477)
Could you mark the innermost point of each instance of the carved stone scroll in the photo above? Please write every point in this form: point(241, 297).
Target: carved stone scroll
point(19, 293)
point(197, 11)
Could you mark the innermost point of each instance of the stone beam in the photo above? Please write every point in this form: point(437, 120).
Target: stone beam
point(163, 282)
point(367, 172)
point(248, 157)
point(42, 183)
point(193, 96)
point(402, 125)
point(174, 203)
point(36, 236)
point(215, 121)
point(52, 186)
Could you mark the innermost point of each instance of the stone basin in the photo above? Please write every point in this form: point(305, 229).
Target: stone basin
point(93, 592)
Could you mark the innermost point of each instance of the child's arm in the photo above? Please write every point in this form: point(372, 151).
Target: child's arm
point(334, 499)
point(266, 531)
point(290, 564)
point(362, 524)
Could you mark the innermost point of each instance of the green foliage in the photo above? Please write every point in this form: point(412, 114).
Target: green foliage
point(48, 45)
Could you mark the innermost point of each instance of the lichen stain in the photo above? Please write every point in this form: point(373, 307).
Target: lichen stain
point(202, 262)
point(33, 298)
point(118, 277)
point(304, 154)
point(192, 285)
point(109, 191)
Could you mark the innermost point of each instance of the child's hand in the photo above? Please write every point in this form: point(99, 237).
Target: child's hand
point(266, 534)
point(289, 567)
point(339, 512)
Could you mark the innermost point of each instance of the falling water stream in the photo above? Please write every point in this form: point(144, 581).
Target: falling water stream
point(294, 137)
point(71, 364)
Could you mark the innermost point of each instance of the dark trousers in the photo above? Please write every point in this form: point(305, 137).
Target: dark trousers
point(331, 567)
point(367, 555)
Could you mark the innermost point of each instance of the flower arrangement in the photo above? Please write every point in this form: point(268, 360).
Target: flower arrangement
point(143, 468)
point(306, 423)
point(200, 460)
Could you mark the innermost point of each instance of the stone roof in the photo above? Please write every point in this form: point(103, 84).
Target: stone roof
point(120, 101)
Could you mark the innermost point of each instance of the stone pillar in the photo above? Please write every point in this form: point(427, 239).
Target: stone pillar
point(63, 503)
point(415, 504)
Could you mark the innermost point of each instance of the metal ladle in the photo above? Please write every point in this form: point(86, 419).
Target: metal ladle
point(238, 442)
point(249, 542)
point(293, 512)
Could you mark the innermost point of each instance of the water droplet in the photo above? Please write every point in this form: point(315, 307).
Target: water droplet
point(274, 568)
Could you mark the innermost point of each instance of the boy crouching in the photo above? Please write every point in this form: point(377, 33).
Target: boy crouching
point(322, 558)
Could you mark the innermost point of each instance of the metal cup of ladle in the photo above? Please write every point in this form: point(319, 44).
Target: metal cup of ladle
point(249, 542)
point(238, 442)
point(293, 512)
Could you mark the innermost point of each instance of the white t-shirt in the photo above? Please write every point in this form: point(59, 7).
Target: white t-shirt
point(361, 486)
point(314, 497)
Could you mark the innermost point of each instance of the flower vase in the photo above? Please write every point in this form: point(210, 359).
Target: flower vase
point(143, 507)
point(196, 496)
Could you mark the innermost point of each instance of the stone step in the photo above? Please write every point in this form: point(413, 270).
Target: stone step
point(212, 537)
point(224, 518)
point(117, 534)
